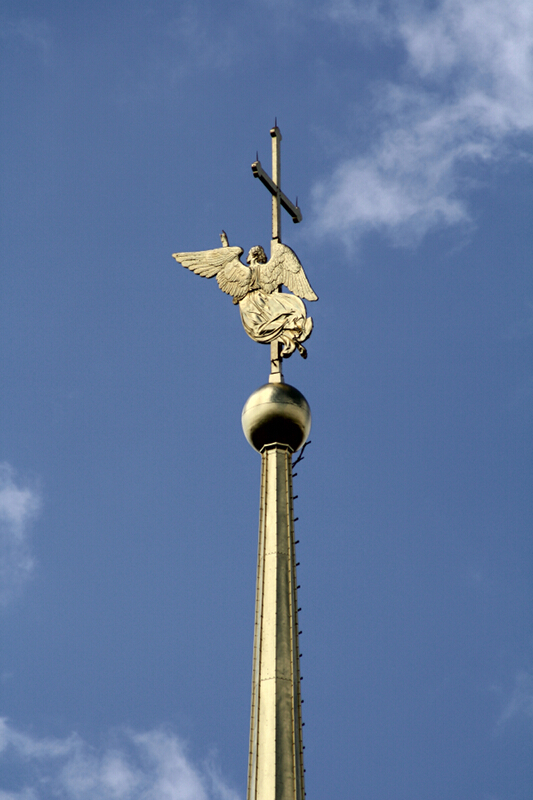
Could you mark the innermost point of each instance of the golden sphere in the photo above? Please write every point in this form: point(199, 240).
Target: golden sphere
point(276, 413)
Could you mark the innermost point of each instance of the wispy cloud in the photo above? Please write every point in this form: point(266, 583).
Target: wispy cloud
point(35, 33)
point(192, 42)
point(520, 704)
point(208, 44)
point(132, 766)
point(19, 505)
point(465, 95)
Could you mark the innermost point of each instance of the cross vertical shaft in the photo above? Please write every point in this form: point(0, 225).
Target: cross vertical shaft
point(276, 177)
point(276, 374)
point(279, 200)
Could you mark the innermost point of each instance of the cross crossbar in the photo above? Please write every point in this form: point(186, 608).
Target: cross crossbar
point(267, 181)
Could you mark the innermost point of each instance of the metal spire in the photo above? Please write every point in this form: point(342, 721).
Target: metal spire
point(276, 421)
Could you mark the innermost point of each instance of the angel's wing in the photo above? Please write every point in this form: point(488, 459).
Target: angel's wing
point(233, 276)
point(284, 267)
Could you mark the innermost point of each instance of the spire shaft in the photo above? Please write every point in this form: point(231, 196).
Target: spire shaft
point(276, 753)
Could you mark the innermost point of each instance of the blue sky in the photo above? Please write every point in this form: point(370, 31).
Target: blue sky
point(128, 494)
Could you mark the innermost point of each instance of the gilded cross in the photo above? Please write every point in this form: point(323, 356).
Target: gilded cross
point(279, 200)
point(273, 185)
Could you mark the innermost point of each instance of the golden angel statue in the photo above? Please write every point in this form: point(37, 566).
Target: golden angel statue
point(267, 313)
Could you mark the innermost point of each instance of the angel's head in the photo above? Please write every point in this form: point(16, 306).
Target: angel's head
point(256, 256)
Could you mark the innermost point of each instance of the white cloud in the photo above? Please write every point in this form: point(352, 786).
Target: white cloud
point(465, 96)
point(19, 505)
point(133, 766)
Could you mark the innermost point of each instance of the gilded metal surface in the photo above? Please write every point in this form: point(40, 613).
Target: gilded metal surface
point(276, 421)
point(267, 181)
point(276, 413)
point(269, 316)
point(275, 768)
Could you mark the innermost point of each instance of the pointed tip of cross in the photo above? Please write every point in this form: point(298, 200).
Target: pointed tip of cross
point(275, 131)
